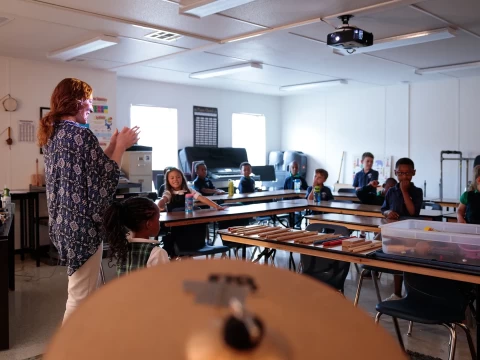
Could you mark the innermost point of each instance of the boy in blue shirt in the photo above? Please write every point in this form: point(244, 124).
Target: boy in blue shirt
point(202, 183)
point(289, 181)
point(402, 200)
point(247, 184)
point(319, 179)
point(367, 174)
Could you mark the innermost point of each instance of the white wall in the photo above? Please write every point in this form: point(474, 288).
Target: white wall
point(32, 84)
point(183, 98)
point(417, 120)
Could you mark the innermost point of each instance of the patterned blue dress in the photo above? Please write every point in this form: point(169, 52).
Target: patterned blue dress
point(81, 182)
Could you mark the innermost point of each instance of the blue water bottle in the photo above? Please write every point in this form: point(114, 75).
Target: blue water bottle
point(316, 194)
point(297, 184)
point(189, 204)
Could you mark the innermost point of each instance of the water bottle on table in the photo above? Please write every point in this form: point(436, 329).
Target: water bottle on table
point(297, 185)
point(189, 204)
point(231, 188)
point(317, 194)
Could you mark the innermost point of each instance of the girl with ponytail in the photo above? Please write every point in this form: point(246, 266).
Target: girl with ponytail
point(129, 225)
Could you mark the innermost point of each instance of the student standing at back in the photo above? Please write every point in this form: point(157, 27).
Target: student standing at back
point(247, 184)
point(402, 200)
point(469, 209)
point(294, 175)
point(367, 174)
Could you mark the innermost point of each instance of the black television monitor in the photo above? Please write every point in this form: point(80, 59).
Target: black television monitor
point(266, 173)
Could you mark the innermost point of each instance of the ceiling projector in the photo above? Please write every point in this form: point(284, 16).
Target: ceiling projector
point(349, 37)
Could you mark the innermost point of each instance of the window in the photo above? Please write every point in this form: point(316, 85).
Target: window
point(158, 128)
point(248, 131)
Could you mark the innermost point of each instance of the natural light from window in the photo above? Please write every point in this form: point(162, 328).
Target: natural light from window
point(248, 131)
point(158, 128)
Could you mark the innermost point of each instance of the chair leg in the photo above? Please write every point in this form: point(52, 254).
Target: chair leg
point(453, 340)
point(399, 334)
point(375, 283)
point(469, 339)
point(410, 328)
point(358, 269)
point(359, 287)
point(102, 274)
point(377, 317)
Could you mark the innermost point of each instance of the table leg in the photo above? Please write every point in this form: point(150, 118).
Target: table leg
point(244, 252)
point(11, 256)
point(23, 221)
point(477, 318)
point(291, 219)
point(37, 229)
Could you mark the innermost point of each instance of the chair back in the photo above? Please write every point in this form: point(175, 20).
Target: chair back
point(330, 272)
point(432, 205)
point(347, 190)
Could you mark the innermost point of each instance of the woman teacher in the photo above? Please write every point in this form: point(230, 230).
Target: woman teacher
point(81, 181)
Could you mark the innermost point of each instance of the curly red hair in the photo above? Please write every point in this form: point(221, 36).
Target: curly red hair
point(65, 101)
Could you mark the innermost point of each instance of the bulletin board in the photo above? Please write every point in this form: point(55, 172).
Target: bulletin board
point(205, 126)
point(383, 165)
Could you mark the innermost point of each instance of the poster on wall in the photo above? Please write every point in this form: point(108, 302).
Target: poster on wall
point(383, 165)
point(205, 126)
point(100, 122)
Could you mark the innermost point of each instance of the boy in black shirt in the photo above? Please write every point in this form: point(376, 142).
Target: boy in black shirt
point(367, 194)
point(202, 183)
point(247, 184)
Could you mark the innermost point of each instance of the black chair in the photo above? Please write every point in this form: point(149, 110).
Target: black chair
point(347, 190)
point(432, 301)
point(432, 205)
point(330, 272)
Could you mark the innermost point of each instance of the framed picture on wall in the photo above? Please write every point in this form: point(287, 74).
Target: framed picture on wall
point(43, 111)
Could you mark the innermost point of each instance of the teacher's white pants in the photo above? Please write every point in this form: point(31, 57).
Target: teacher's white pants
point(83, 282)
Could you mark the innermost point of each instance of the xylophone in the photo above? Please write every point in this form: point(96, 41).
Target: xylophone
point(327, 241)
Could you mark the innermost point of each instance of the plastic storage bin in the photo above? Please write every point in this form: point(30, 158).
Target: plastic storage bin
point(457, 243)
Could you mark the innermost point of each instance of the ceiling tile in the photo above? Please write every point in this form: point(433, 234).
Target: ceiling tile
point(273, 13)
point(193, 62)
point(131, 50)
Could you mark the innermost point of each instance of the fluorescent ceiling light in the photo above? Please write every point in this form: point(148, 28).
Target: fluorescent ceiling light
point(82, 48)
point(404, 40)
point(202, 8)
point(321, 84)
point(226, 70)
point(448, 68)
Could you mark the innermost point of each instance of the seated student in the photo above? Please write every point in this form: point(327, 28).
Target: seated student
point(187, 238)
point(202, 183)
point(247, 184)
point(367, 194)
point(289, 181)
point(367, 174)
point(402, 200)
point(319, 179)
point(469, 209)
point(129, 224)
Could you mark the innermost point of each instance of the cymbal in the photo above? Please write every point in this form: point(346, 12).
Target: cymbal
point(219, 309)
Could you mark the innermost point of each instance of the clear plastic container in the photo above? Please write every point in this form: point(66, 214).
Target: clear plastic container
point(457, 243)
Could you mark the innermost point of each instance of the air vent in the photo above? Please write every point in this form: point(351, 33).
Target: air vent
point(75, 60)
point(4, 20)
point(163, 36)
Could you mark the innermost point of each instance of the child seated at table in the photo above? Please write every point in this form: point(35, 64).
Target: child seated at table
point(290, 181)
point(367, 174)
point(319, 179)
point(469, 209)
point(247, 184)
point(402, 200)
point(202, 183)
point(182, 238)
point(368, 195)
point(129, 224)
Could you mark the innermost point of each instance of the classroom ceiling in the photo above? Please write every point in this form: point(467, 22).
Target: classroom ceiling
point(292, 47)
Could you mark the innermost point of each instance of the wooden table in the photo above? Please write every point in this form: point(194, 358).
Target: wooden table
point(448, 203)
point(346, 196)
point(290, 306)
point(7, 276)
point(258, 196)
point(408, 265)
point(351, 222)
point(231, 213)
